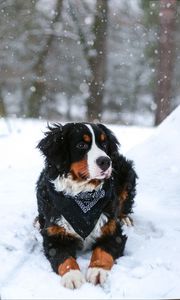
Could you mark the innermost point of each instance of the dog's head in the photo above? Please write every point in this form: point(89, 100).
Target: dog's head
point(82, 150)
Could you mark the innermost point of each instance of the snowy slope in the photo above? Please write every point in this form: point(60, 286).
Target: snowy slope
point(150, 267)
point(154, 242)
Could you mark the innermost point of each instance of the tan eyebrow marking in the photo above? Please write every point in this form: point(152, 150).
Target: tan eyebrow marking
point(86, 138)
point(102, 137)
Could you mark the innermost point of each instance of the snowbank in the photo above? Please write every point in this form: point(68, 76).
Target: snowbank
point(154, 243)
point(151, 265)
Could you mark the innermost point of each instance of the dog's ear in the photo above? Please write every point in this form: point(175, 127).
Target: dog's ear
point(53, 139)
point(113, 144)
point(54, 146)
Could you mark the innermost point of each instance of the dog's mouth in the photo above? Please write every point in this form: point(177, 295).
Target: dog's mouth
point(104, 174)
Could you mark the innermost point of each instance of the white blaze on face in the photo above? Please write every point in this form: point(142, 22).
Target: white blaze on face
point(94, 153)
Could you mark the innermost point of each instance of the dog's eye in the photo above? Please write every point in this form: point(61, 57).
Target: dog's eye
point(82, 145)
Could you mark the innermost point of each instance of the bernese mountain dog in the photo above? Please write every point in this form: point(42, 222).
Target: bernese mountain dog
point(84, 193)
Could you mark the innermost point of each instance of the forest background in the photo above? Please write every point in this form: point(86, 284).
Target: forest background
point(97, 60)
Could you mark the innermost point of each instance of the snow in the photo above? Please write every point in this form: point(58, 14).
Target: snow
point(150, 268)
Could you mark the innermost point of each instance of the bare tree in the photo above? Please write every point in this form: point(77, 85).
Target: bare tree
point(166, 59)
point(2, 106)
point(95, 56)
point(39, 83)
point(97, 62)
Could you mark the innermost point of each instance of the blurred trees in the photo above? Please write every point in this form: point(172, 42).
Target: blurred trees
point(90, 59)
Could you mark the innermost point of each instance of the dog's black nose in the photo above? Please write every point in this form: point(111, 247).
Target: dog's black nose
point(103, 162)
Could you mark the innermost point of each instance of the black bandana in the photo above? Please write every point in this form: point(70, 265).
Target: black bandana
point(83, 210)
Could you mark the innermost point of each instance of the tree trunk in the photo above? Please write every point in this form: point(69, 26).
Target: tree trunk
point(97, 62)
point(166, 59)
point(39, 84)
point(2, 106)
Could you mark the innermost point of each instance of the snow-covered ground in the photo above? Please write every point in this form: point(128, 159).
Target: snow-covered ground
point(150, 268)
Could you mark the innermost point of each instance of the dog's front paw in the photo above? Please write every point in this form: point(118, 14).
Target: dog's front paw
point(128, 221)
point(97, 275)
point(73, 279)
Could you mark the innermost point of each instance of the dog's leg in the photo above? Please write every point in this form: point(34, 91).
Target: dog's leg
point(126, 200)
point(107, 248)
point(125, 179)
point(60, 249)
point(100, 264)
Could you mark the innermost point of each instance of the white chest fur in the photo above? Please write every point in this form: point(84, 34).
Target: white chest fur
point(71, 187)
point(90, 239)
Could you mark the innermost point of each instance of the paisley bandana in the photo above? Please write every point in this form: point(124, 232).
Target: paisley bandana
point(87, 200)
point(83, 210)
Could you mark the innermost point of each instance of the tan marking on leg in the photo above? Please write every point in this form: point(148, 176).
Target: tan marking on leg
point(109, 227)
point(123, 195)
point(59, 230)
point(122, 198)
point(56, 230)
point(101, 259)
point(68, 265)
point(126, 220)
